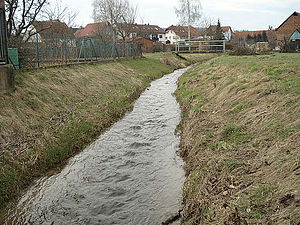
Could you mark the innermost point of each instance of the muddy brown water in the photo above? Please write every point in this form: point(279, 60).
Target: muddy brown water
point(130, 175)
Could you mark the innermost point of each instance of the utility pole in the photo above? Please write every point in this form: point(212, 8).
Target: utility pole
point(3, 35)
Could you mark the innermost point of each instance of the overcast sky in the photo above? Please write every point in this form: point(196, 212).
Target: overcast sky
point(240, 14)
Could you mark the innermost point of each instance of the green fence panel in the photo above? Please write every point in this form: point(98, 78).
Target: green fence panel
point(14, 57)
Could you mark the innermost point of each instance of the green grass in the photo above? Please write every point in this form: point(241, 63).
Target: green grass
point(238, 107)
point(82, 101)
point(235, 134)
point(244, 133)
point(151, 66)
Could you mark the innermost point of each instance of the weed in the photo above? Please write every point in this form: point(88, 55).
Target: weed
point(274, 73)
point(262, 194)
point(290, 101)
point(32, 103)
point(231, 80)
point(235, 134)
point(239, 107)
point(232, 164)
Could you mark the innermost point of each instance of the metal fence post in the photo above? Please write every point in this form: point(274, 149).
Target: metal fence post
point(65, 49)
point(37, 55)
point(3, 35)
point(224, 46)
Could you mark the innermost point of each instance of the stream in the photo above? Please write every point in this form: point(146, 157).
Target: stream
point(130, 175)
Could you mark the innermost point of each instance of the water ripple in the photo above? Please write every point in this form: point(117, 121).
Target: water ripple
point(130, 175)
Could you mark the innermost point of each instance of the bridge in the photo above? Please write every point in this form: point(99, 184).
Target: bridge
point(200, 46)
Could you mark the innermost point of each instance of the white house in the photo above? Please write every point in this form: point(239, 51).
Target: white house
point(175, 34)
point(162, 38)
point(152, 32)
point(226, 30)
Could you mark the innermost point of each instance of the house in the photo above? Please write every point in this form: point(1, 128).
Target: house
point(287, 28)
point(51, 30)
point(253, 36)
point(94, 30)
point(152, 32)
point(295, 35)
point(226, 30)
point(175, 34)
point(295, 39)
point(261, 40)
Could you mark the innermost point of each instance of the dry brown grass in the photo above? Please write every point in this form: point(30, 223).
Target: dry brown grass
point(241, 140)
point(55, 112)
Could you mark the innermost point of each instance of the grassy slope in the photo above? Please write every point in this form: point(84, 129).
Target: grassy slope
point(55, 112)
point(241, 140)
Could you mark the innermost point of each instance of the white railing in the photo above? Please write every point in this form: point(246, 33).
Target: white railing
point(201, 46)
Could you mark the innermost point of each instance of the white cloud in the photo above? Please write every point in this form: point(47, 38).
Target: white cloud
point(241, 14)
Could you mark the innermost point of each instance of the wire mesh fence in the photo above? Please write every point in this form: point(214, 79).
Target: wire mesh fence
point(64, 50)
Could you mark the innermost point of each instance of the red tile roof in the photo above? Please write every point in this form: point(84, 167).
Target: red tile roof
point(52, 29)
point(285, 30)
point(91, 30)
point(294, 14)
point(244, 34)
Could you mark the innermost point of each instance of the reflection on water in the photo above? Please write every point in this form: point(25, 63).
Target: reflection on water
point(130, 175)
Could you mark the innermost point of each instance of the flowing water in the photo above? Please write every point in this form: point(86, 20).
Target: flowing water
point(130, 175)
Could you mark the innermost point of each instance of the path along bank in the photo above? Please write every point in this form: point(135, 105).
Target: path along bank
point(241, 140)
point(54, 113)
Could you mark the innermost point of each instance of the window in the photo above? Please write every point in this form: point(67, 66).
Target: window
point(160, 36)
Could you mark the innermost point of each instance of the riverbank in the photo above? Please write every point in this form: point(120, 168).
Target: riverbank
point(54, 113)
point(241, 140)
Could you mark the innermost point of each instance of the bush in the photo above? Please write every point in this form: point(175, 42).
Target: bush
point(242, 50)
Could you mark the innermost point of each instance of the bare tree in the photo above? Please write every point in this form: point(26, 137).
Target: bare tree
point(21, 14)
point(57, 11)
point(189, 13)
point(120, 14)
point(206, 22)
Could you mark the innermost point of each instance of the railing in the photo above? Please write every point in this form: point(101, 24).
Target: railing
point(201, 46)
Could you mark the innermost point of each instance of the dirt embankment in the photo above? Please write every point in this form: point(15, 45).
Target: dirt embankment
point(55, 112)
point(241, 140)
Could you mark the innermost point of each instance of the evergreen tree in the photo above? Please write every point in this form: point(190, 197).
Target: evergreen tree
point(265, 37)
point(255, 38)
point(259, 38)
point(250, 39)
point(219, 32)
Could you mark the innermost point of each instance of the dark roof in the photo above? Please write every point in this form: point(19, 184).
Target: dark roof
point(224, 28)
point(146, 28)
point(293, 14)
point(182, 31)
point(91, 30)
point(52, 29)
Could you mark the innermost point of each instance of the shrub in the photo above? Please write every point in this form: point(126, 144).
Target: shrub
point(242, 50)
